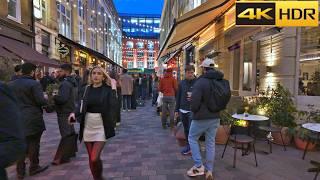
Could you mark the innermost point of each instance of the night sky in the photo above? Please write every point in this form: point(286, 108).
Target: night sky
point(139, 6)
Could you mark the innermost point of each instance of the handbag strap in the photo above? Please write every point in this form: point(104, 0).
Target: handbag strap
point(85, 91)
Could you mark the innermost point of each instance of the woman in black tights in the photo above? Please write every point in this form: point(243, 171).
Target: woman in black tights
point(97, 122)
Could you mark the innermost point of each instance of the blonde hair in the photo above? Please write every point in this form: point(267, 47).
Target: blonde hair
point(105, 74)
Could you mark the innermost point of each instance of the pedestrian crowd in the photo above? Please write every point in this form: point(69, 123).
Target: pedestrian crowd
point(95, 102)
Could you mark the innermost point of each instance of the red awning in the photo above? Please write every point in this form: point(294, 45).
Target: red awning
point(26, 53)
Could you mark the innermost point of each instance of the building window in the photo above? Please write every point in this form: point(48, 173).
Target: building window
point(150, 45)
point(150, 54)
point(130, 64)
point(140, 45)
point(45, 42)
point(44, 12)
point(150, 64)
point(129, 54)
point(81, 9)
point(196, 3)
point(64, 15)
point(93, 40)
point(140, 54)
point(309, 73)
point(140, 64)
point(82, 34)
point(14, 10)
point(129, 44)
point(247, 65)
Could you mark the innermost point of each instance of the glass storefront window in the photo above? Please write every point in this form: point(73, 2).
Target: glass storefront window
point(14, 11)
point(247, 64)
point(309, 73)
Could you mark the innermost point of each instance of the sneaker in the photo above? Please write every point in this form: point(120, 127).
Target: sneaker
point(186, 150)
point(129, 110)
point(209, 175)
point(117, 124)
point(194, 171)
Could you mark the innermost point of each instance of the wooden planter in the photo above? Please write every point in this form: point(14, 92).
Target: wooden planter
point(285, 135)
point(222, 134)
point(301, 144)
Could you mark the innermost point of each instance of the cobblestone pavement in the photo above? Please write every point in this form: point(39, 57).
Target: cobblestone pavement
point(143, 150)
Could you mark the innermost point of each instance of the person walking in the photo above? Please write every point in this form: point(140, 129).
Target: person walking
point(46, 81)
point(168, 86)
point(144, 87)
point(12, 140)
point(155, 87)
point(134, 95)
point(126, 83)
point(65, 103)
point(30, 98)
point(114, 75)
point(183, 106)
point(206, 117)
point(97, 123)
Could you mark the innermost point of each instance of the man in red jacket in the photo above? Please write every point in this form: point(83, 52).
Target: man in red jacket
point(168, 86)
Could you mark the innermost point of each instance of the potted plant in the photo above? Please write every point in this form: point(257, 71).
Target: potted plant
point(224, 128)
point(302, 136)
point(280, 108)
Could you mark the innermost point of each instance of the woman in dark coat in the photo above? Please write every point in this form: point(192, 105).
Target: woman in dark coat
point(97, 122)
point(117, 114)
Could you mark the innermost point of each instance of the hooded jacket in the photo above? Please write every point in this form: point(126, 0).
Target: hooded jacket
point(168, 85)
point(200, 93)
point(65, 101)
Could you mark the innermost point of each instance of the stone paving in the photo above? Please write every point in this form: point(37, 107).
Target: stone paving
point(142, 150)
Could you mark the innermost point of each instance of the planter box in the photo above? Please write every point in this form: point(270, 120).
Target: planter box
point(301, 144)
point(285, 135)
point(222, 134)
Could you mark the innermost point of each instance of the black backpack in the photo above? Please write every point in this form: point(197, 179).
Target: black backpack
point(220, 95)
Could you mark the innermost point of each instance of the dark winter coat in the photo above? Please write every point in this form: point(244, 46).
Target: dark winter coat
point(200, 93)
point(109, 105)
point(65, 101)
point(181, 98)
point(29, 95)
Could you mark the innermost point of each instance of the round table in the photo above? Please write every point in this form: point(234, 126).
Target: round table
point(250, 117)
point(312, 127)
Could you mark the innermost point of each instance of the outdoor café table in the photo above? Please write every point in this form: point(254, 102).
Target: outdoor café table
point(251, 119)
point(315, 127)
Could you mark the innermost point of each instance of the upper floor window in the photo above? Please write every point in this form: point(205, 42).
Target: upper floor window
point(129, 44)
point(140, 45)
point(14, 10)
point(64, 15)
point(150, 45)
point(81, 9)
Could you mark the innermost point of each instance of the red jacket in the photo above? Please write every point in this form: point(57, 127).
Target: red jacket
point(168, 85)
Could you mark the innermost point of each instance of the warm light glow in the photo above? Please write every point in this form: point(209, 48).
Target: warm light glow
point(242, 123)
point(229, 18)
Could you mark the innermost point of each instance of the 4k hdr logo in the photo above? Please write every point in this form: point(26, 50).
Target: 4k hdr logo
point(277, 13)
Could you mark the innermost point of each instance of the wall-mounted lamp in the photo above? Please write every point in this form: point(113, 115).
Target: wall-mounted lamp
point(269, 69)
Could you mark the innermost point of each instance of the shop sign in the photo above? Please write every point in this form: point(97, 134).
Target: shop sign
point(63, 50)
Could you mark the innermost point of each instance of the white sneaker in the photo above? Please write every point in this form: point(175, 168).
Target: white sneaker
point(209, 175)
point(117, 124)
point(194, 171)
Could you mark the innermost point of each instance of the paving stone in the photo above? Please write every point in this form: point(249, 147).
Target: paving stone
point(143, 150)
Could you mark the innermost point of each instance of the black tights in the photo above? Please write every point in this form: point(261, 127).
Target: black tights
point(94, 151)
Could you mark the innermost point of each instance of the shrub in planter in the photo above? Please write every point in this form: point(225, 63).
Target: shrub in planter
point(301, 139)
point(224, 128)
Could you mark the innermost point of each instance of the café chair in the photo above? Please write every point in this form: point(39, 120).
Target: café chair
point(273, 130)
point(239, 140)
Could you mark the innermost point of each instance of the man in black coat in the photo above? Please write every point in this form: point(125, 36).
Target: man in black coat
point(30, 100)
point(65, 102)
point(12, 141)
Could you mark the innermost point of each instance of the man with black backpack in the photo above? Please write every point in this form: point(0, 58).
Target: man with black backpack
point(210, 94)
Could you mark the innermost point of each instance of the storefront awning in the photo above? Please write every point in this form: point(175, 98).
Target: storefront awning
point(25, 52)
point(6, 54)
point(192, 23)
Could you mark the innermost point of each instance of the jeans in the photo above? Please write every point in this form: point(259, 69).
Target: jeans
point(186, 119)
point(126, 102)
point(168, 106)
point(197, 128)
point(155, 95)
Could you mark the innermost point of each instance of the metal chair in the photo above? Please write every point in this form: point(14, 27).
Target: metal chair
point(273, 130)
point(240, 139)
point(311, 137)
